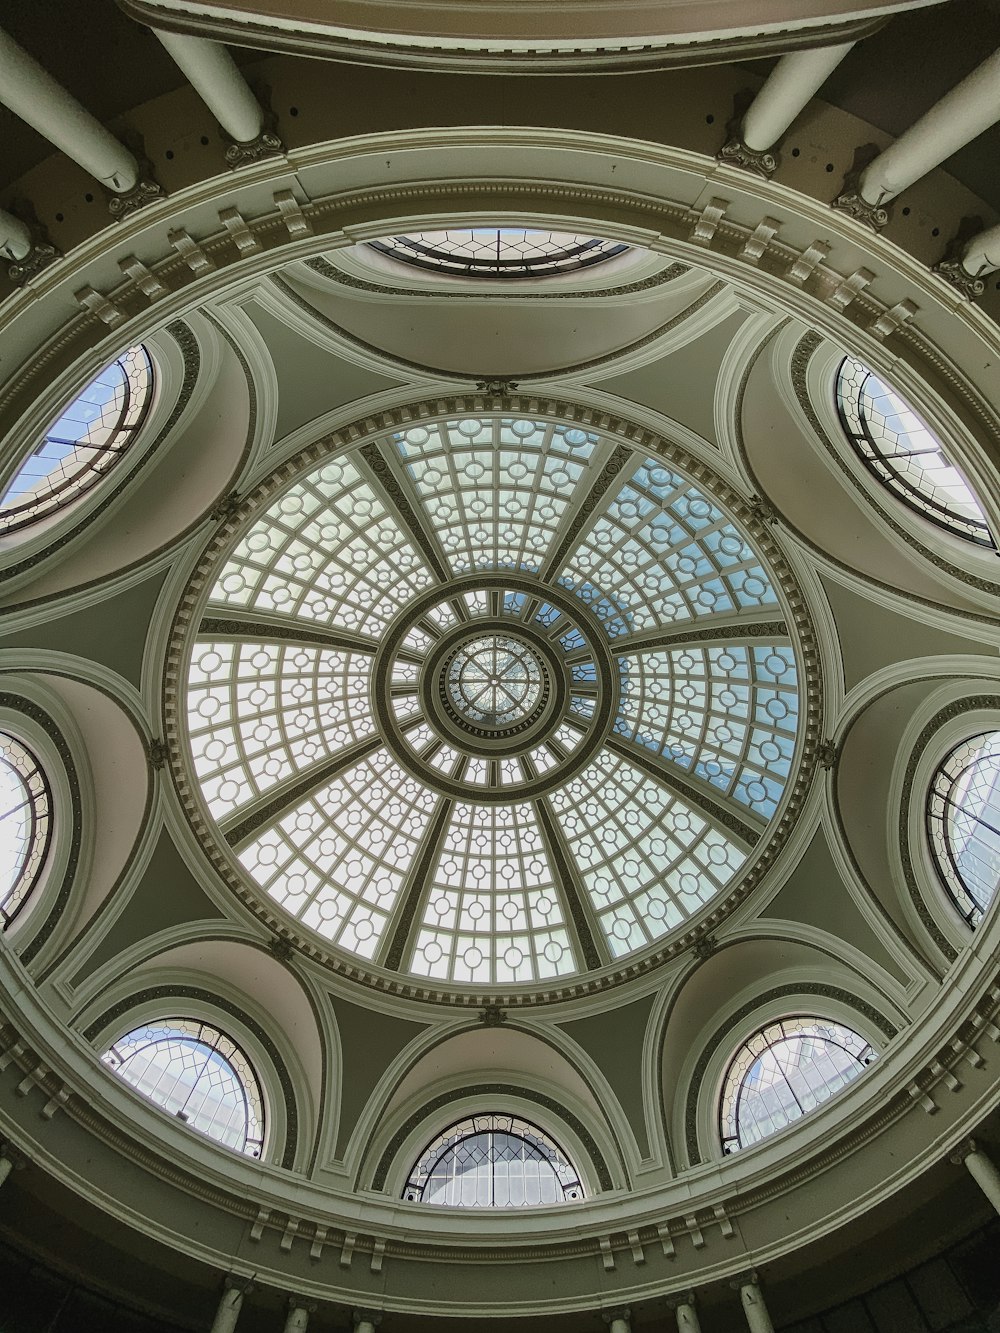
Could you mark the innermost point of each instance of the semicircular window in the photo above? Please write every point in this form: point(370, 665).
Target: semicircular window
point(784, 1071)
point(499, 252)
point(25, 825)
point(900, 450)
point(196, 1073)
point(493, 1161)
point(963, 823)
point(85, 442)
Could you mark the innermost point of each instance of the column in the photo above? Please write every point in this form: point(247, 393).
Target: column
point(26, 253)
point(754, 1308)
point(15, 238)
point(230, 1304)
point(967, 268)
point(792, 83)
point(298, 1315)
point(6, 1167)
point(367, 1321)
point(617, 1320)
point(687, 1315)
point(982, 1169)
point(963, 113)
point(216, 79)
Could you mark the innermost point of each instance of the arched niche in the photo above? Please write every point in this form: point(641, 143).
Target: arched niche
point(792, 444)
point(725, 990)
point(113, 792)
point(203, 415)
point(455, 1076)
point(268, 989)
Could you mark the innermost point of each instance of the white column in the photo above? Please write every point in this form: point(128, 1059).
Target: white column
point(15, 238)
point(298, 1316)
point(366, 1321)
point(754, 1308)
point(6, 1167)
point(963, 113)
point(982, 254)
point(687, 1317)
point(618, 1320)
point(230, 1304)
point(982, 1169)
point(216, 79)
point(794, 80)
point(37, 98)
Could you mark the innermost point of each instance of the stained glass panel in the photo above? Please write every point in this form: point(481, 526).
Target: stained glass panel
point(499, 252)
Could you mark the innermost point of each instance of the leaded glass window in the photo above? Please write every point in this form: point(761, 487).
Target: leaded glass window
point(86, 441)
point(197, 1073)
point(25, 825)
point(905, 455)
point(485, 698)
point(493, 1161)
point(784, 1071)
point(963, 823)
point(499, 252)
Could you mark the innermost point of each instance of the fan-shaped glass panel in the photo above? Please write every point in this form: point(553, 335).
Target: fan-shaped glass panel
point(25, 825)
point(83, 444)
point(499, 252)
point(897, 448)
point(963, 823)
point(492, 699)
point(784, 1071)
point(493, 1161)
point(196, 1073)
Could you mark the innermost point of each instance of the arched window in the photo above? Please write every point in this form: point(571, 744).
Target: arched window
point(963, 823)
point(197, 1073)
point(897, 448)
point(25, 825)
point(499, 252)
point(493, 1161)
point(784, 1071)
point(83, 444)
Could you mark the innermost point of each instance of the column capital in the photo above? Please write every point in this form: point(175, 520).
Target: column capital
point(616, 1312)
point(965, 1149)
point(954, 271)
point(144, 191)
point(682, 1298)
point(761, 161)
point(302, 1303)
point(233, 1282)
point(373, 1317)
point(13, 1155)
point(751, 1278)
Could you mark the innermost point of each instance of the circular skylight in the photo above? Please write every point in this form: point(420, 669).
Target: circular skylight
point(490, 699)
point(896, 446)
point(499, 252)
point(963, 822)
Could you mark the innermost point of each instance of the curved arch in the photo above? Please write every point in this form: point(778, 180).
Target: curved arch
point(167, 996)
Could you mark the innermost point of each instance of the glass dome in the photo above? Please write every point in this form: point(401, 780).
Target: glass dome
point(963, 823)
point(491, 699)
point(25, 825)
point(499, 252)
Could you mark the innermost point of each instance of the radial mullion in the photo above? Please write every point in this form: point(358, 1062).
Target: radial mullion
point(278, 800)
point(698, 794)
point(585, 926)
point(263, 628)
point(399, 934)
point(397, 496)
point(584, 512)
point(741, 630)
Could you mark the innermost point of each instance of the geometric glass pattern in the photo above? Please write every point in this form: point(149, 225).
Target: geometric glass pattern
point(897, 448)
point(493, 1161)
point(196, 1073)
point(84, 443)
point(963, 823)
point(25, 825)
point(499, 252)
point(784, 1071)
point(432, 709)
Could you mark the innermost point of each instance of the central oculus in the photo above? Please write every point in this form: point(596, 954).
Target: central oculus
point(495, 680)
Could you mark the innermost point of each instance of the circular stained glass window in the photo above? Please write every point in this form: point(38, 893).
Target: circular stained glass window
point(963, 823)
point(897, 448)
point(490, 700)
point(86, 441)
point(784, 1071)
point(193, 1071)
point(493, 1161)
point(499, 252)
